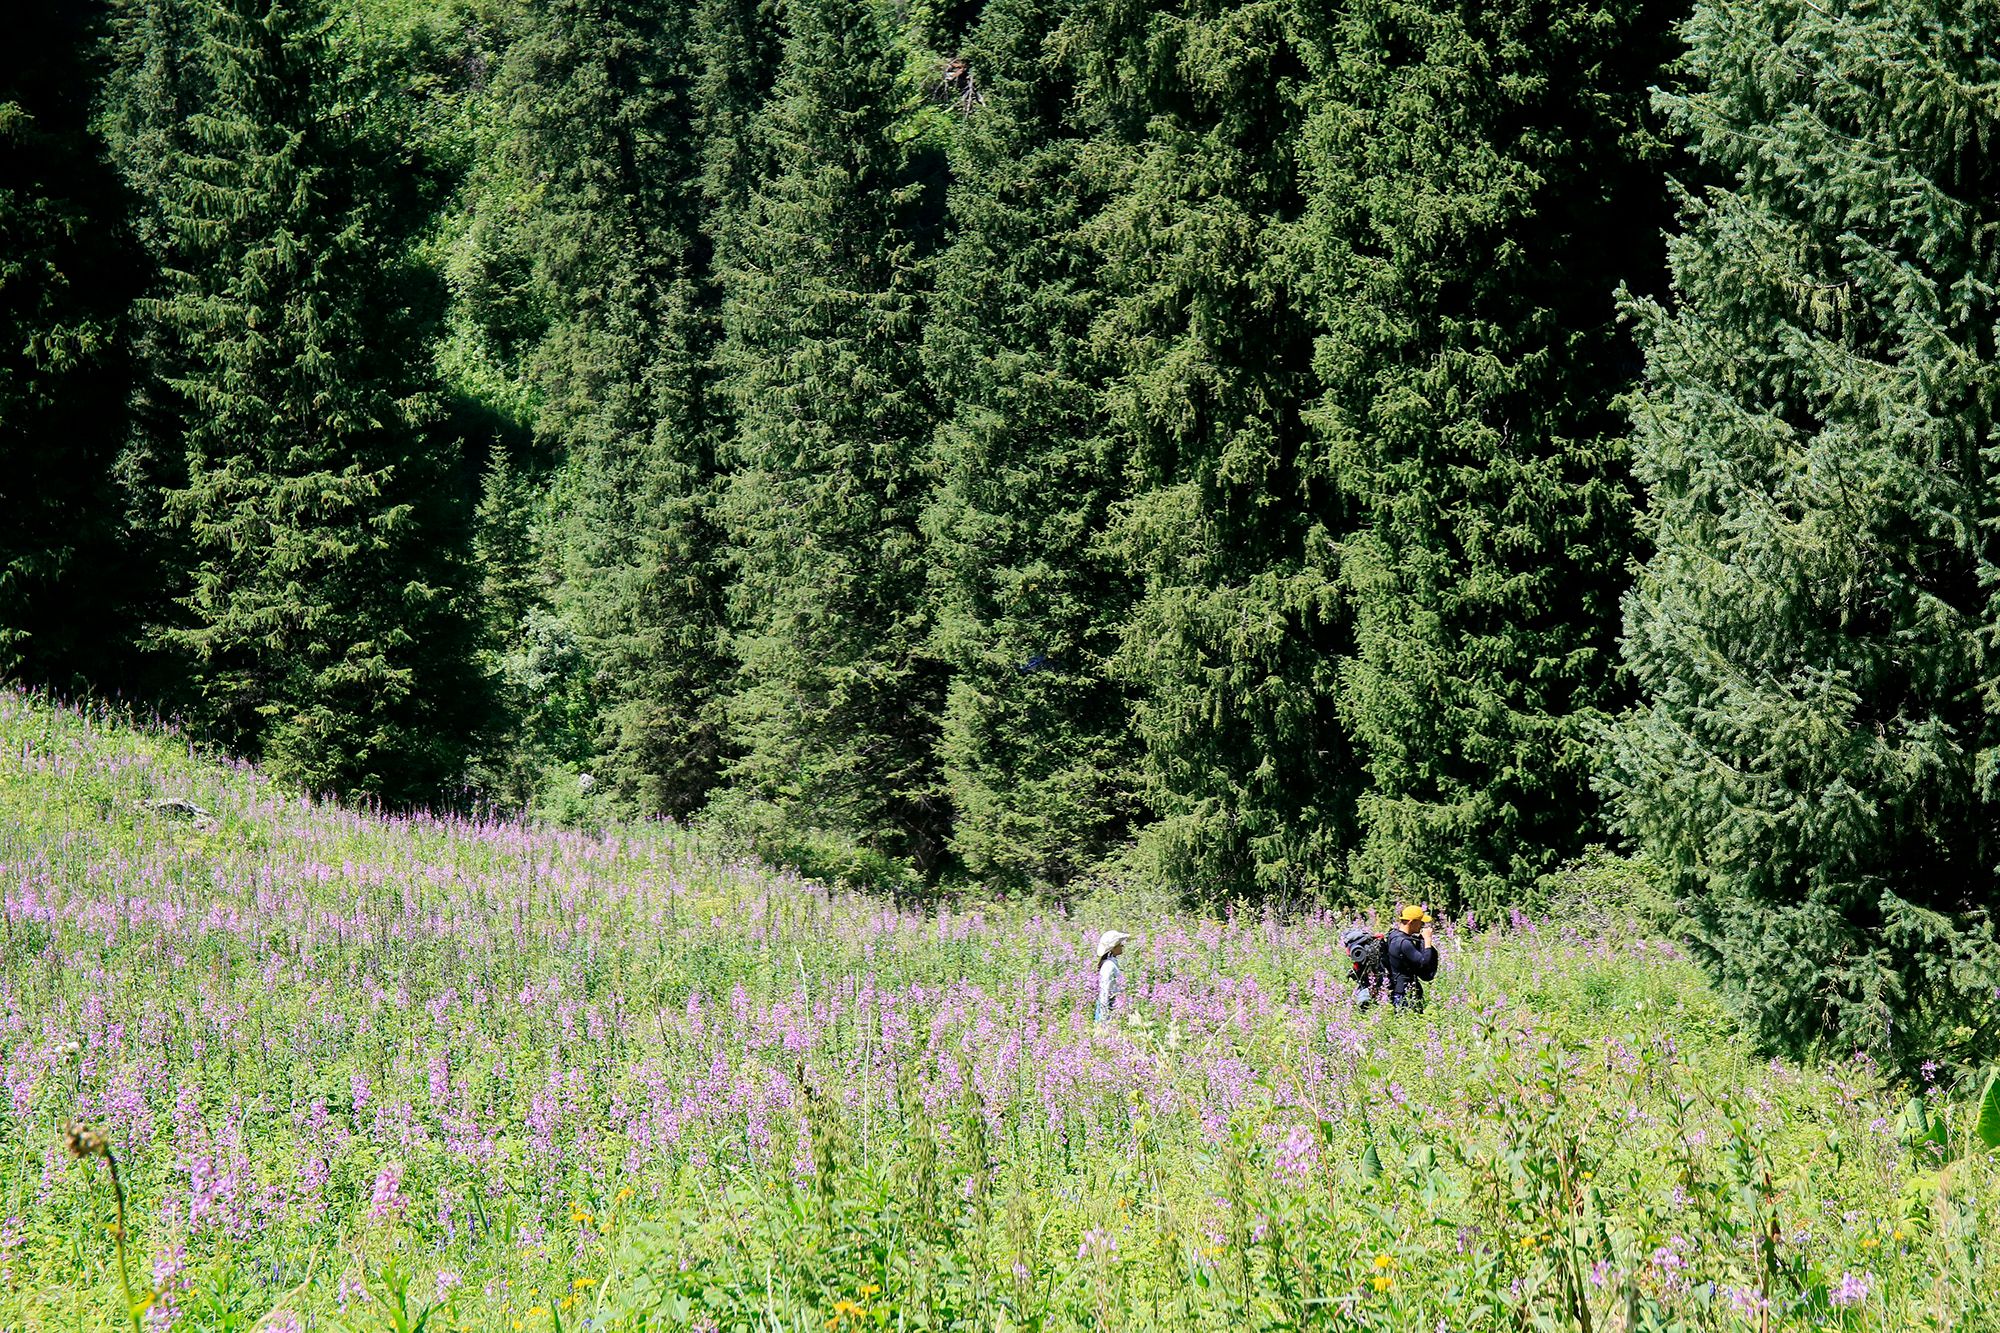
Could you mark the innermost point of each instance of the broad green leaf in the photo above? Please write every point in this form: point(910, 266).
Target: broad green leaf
point(1988, 1124)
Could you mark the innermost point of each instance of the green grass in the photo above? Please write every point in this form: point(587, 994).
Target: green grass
point(363, 1072)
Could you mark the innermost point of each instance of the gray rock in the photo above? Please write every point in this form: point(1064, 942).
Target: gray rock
point(181, 808)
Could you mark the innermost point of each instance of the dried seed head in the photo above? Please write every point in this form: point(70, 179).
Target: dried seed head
point(83, 1141)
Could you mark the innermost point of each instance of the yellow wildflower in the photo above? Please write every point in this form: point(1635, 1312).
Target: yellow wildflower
point(870, 1290)
point(1383, 1281)
point(1385, 1261)
point(624, 1193)
point(580, 1283)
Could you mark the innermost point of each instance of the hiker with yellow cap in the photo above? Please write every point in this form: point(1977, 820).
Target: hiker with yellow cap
point(1413, 957)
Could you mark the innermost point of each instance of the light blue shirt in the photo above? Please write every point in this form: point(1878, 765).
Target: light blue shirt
point(1109, 975)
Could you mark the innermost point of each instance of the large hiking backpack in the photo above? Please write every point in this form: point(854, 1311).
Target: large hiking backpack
point(1367, 950)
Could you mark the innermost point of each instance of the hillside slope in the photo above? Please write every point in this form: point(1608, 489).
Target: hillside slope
point(532, 1077)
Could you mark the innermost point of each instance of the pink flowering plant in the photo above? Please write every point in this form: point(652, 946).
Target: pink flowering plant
point(362, 1071)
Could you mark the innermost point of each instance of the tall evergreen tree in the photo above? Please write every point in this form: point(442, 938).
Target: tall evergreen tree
point(1235, 640)
point(736, 47)
point(154, 83)
point(1481, 180)
point(1815, 754)
point(733, 44)
point(1037, 743)
point(602, 113)
point(319, 523)
point(508, 565)
point(66, 273)
point(840, 692)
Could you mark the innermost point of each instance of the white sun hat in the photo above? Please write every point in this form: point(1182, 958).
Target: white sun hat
point(1108, 941)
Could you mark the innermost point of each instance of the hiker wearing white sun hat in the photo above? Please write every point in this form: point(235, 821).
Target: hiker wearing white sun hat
point(1109, 946)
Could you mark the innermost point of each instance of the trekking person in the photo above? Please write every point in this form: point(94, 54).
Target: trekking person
point(1412, 958)
point(1367, 954)
point(1110, 947)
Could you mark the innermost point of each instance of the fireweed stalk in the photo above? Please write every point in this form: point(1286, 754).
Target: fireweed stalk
point(84, 1143)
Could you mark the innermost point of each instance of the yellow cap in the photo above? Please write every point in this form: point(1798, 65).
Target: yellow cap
point(1415, 913)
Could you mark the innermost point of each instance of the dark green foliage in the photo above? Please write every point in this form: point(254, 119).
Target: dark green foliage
point(1480, 184)
point(153, 82)
point(837, 710)
point(319, 522)
point(66, 273)
point(602, 118)
point(504, 546)
point(1234, 645)
point(1814, 637)
point(495, 322)
point(733, 43)
point(540, 714)
point(1037, 744)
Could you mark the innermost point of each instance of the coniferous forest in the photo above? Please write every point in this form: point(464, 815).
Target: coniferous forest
point(1280, 449)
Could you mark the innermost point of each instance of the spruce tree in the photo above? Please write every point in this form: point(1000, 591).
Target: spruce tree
point(1814, 754)
point(1234, 644)
point(733, 43)
point(320, 524)
point(1037, 744)
point(154, 80)
point(602, 115)
point(840, 691)
point(505, 558)
point(66, 272)
point(1481, 179)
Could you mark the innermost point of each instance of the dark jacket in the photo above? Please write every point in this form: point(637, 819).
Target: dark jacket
point(1410, 966)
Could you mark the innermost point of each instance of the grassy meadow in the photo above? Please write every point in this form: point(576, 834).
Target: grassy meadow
point(361, 1072)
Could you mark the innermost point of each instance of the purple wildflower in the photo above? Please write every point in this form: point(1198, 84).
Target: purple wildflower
point(1851, 1290)
point(387, 1199)
point(1097, 1244)
point(1745, 1300)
